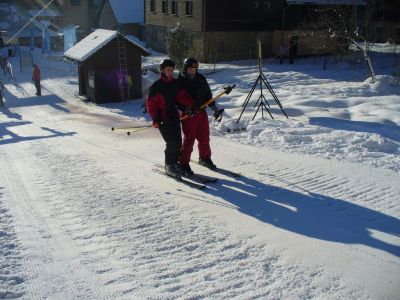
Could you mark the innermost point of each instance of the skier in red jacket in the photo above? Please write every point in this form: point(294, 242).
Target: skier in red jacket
point(196, 126)
point(162, 104)
point(36, 79)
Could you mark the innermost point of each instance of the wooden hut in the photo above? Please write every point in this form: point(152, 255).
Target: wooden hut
point(109, 66)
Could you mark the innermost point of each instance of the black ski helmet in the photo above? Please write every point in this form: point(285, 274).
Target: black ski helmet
point(166, 63)
point(190, 62)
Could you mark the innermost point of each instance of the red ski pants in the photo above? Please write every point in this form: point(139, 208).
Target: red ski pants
point(195, 128)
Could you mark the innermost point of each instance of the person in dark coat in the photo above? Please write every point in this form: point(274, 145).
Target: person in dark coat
point(196, 127)
point(1, 93)
point(9, 70)
point(36, 79)
point(162, 105)
point(3, 64)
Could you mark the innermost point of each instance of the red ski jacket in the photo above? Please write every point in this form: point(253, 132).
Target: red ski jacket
point(36, 74)
point(165, 98)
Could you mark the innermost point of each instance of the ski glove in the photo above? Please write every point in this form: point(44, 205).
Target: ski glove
point(155, 124)
point(189, 111)
point(217, 113)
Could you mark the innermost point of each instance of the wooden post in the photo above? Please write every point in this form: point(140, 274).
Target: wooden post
point(259, 55)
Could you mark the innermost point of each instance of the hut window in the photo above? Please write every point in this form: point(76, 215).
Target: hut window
point(174, 7)
point(165, 6)
point(153, 6)
point(91, 79)
point(189, 8)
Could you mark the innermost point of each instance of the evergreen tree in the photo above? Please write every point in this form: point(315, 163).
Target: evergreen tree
point(178, 44)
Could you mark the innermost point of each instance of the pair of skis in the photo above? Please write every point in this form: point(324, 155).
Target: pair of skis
point(196, 180)
point(190, 181)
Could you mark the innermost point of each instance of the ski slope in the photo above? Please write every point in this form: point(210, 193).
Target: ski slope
point(83, 216)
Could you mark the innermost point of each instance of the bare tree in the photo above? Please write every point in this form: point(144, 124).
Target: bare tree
point(342, 27)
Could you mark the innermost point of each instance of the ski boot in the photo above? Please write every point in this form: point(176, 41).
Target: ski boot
point(186, 170)
point(173, 171)
point(208, 163)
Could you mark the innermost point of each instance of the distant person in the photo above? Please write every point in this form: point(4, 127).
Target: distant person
point(1, 93)
point(9, 69)
point(3, 64)
point(36, 79)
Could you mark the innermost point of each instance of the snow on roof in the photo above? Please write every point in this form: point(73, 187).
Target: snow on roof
point(95, 41)
point(128, 11)
point(134, 40)
point(327, 2)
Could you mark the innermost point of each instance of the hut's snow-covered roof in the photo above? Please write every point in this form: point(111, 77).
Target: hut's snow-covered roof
point(94, 42)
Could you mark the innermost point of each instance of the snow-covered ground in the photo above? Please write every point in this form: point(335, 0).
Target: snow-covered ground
point(315, 214)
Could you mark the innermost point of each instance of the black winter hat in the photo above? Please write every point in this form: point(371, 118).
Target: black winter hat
point(190, 62)
point(166, 63)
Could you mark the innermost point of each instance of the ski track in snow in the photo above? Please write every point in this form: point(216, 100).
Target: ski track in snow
point(11, 279)
point(85, 218)
point(95, 223)
point(119, 241)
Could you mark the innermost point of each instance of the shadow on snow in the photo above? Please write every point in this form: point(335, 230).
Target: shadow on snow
point(307, 213)
point(390, 131)
point(16, 120)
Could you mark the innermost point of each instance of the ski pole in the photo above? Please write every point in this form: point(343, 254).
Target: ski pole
point(130, 130)
point(227, 90)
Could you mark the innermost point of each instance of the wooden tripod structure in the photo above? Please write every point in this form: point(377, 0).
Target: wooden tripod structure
point(262, 101)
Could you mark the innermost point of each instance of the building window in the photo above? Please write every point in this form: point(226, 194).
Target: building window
point(174, 7)
point(189, 8)
point(165, 6)
point(153, 6)
point(262, 4)
point(75, 2)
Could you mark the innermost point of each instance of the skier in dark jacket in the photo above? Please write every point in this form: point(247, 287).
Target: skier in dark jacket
point(196, 127)
point(1, 93)
point(161, 103)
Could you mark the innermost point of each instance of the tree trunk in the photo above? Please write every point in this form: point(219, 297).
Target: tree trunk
point(367, 59)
